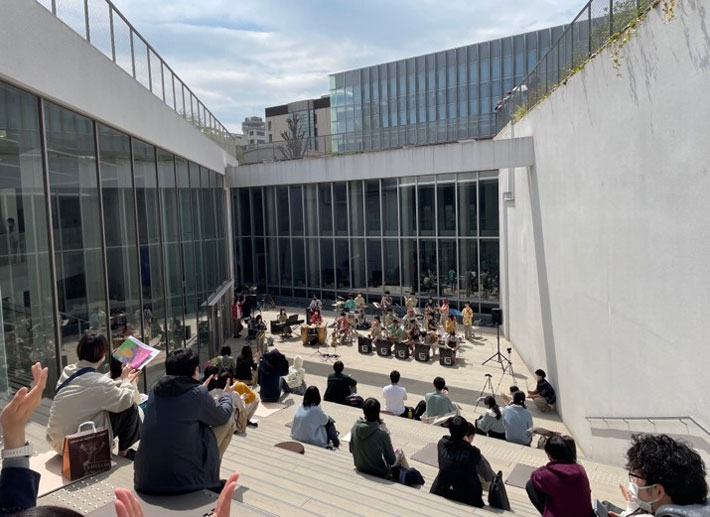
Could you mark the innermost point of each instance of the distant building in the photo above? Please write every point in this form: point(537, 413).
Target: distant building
point(313, 120)
point(253, 129)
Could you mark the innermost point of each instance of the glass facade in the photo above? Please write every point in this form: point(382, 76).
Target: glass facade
point(435, 235)
point(438, 97)
point(136, 244)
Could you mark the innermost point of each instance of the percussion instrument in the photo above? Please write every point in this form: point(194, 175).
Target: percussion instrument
point(304, 334)
point(321, 333)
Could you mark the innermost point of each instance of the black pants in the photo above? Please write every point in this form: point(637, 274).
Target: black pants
point(332, 432)
point(238, 327)
point(537, 498)
point(419, 410)
point(126, 426)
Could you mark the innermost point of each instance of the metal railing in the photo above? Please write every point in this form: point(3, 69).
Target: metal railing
point(101, 24)
point(595, 25)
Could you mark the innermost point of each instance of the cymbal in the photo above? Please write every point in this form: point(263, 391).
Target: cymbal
point(376, 305)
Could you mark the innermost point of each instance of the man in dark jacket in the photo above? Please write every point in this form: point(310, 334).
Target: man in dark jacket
point(178, 451)
point(544, 394)
point(371, 446)
point(340, 386)
point(272, 367)
point(460, 465)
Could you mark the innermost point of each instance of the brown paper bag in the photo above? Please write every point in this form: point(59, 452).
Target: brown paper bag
point(86, 452)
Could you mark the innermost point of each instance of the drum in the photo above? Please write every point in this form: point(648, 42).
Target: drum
point(322, 334)
point(304, 335)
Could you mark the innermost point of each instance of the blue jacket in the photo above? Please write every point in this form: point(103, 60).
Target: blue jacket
point(309, 425)
point(178, 450)
point(18, 486)
point(272, 367)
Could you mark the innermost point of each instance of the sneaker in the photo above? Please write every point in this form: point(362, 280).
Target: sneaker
point(253, 423)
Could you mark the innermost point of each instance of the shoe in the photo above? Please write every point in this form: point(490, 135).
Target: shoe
point(253, 423)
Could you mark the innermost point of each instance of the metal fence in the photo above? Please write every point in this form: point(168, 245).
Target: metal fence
point(103, 25)
point(592, 28)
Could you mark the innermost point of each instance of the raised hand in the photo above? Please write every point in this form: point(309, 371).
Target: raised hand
point(224, 503)
point(208, 380)
point(127, 504)
point(16, 413)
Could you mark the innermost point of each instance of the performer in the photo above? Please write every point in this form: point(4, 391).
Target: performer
point(414, 331)
point(389, 316)
point(315, 305)
point(444, 310)
point(411, 302)
point(342, 328)
point(258, 327)
point(452, 342)
point(283, 318)
point(395, 332)
point(386, 301)
point(376, 328)
point(450, 325)
point(349, 304)
point(316, 318)
point(467, 317)
point(237, 315)
point(360, 302)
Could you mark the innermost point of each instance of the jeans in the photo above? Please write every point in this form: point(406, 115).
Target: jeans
point(126, 426)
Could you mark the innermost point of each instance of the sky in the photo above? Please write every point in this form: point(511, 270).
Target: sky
point(240, 56)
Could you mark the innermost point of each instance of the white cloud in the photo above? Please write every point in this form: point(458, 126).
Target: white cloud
point(240, 56)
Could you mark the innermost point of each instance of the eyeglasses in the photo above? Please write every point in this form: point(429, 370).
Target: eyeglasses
point(632, 476)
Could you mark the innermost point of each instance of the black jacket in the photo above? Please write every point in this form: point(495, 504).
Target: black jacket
point(178, 450)
point(458, 478)
point(18, 489)
point(338, 388)
point(272, 367)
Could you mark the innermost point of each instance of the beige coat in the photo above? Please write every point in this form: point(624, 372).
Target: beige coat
point(89, 397)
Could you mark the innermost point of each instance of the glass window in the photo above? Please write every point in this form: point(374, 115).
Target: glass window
point(77, 233)
point(408, 206)
point(325, 202)
point(426, 206)
point(272, 263)
point(428, 280)
point(188, 247)
point(260, 264)
point(410, 266)
point(270, 212)
point(356, 217)
point(374, 265)
point(313, 261)
point(26, 308)
point(248, 260)
point(468, 225)
point(468, 262)
point(372, 206)
point(342, 264)
point(446, 208)
point(326, 262)
point(391, 264)
point(488, 200)
point(244, 212)
point(296, 210)
point(390, 207)
point(282, 210)
point(340, 205)
point(448, 275)
point(489, 269)
point(311, 207)
point(299, 263)
point(285, 262)
point(257, 203)
point(357, 263)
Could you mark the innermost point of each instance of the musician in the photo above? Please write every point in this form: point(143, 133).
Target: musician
point(395, 332)
point(282, 319)
point(467, 316)
point(349, 305)
point(258, 327)
point(432, 322)
point(342, 328)
point(444, 309)
point(316, 318)
point(386, 301)
point(430, 306)
point(414, 331)
point(315, 305)
point(452, 342)
point(411, 301)
point(389, 316)
point(376, 328)
point(360, 302)
point(450, 325)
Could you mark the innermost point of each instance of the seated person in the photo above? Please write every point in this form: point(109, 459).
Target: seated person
point(517, 420)
point(84, 395)
point(342, 328)
point(666, 478)
point(414, 331)
point(452, 342)
point(491, 422)
point(315, 306)
point(561, 487)
point(178, 451)
point(349, 304)
point(225, 361)
point(543, 395)
point(433, 322)
point(295, 382)
point(18, 484)
point(411, 302)
point(395, 332)
point(394, 396)
point(371, 446)
point(246, 366)
point(311, 424)
point(339, 385)
point(376, 328)
point(450, 326)
point(316, 318)
point(272, 366)
point(282, 319)
point(508, 397)
point(244, 411)
point(386, 301)
point(460, 464)
point(388, 317)
point(360, 302)
point(438, 403)
point(354, 399)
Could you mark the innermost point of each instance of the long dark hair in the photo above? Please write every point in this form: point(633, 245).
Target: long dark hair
point(246, 353)
point(490, 402)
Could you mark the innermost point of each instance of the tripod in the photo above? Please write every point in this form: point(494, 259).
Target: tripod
point(507, 368)
point(488, 385)
point(498, 357)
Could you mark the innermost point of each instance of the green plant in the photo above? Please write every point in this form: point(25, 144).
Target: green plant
point(520, 112)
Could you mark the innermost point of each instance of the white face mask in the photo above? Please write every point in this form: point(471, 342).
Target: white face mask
point(646, 506)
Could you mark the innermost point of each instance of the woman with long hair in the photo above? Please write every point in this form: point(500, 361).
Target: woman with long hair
point(491, 422)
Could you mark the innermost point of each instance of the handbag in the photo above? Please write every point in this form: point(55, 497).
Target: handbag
point(497, 495)
point(86, 452)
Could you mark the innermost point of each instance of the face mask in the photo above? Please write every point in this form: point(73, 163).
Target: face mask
point(646, 506)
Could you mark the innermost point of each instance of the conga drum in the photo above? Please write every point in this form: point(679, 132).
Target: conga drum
point(322, 334)
point(304, 335)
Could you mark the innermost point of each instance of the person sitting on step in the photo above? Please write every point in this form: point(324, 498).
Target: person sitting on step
point(272, 366)
point(339, 385)
point(517, 420)
point(311, 424)
point(294, 382)
point(543, 395)
point(438, 403)
point(491, 422)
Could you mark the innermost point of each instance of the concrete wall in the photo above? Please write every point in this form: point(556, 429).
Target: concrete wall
point(408, 161)
point(605, 249)
point(46, 57)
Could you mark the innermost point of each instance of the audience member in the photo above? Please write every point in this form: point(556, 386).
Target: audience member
point(294, 382)
point(544, 394)
point(371, 446)
point(311, 424)
point(667, 478)
point(246, 366)
point(460, 465)
point(561, 487)
point(224, 360)
point(272, 366)
point(517, 420)
point(18, 484)
point(245, 400)
point(84, 395)
point(508, 397)
point(178, 452)
point(491, 422)
point(209, 377)
point(438, 403)
point(339, 385)
point(394, 396)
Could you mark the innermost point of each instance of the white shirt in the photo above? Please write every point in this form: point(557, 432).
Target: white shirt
point(394, 396)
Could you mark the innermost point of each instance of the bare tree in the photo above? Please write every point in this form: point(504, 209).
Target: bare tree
point(295, 140)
